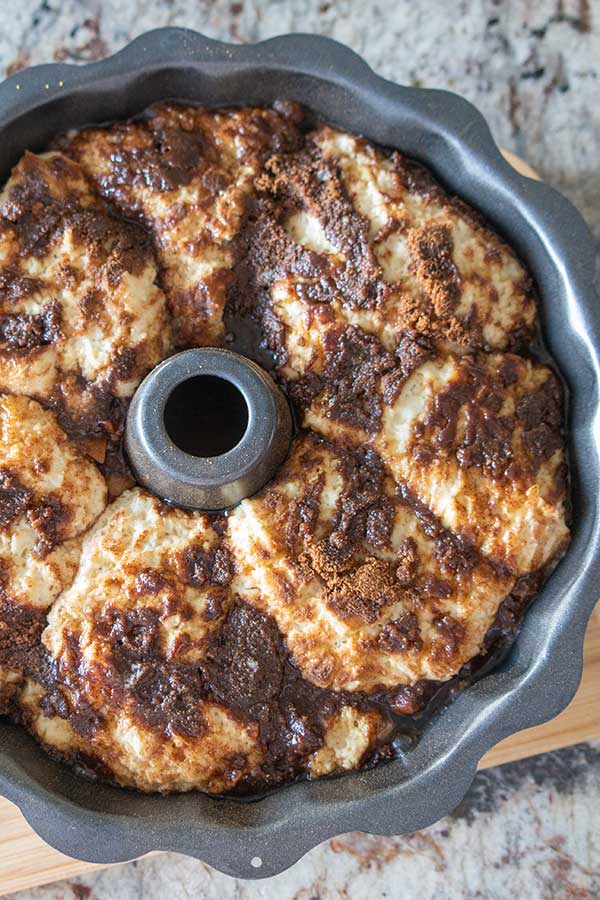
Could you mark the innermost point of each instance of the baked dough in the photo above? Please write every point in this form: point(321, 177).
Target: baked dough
point(423, 502)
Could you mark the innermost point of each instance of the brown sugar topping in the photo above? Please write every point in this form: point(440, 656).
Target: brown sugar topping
point(363, 592)
point(202, 566)
point(488, 438)
point(354, 362)
point(14, 498)
point(20, 632)
point(22, 331)
point(452, 633)
point(38, 219)
point(308, 181)
point(431, 247)
point(50, 518)
point(401, 635)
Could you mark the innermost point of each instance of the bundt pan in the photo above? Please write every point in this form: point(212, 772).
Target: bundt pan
point(100, 823)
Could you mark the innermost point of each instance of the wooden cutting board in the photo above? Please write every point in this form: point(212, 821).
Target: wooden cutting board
point(26, 861)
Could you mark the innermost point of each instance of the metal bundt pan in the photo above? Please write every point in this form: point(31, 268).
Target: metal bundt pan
point(103, 824)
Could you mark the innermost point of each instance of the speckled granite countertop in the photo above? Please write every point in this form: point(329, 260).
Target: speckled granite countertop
point(526, 830)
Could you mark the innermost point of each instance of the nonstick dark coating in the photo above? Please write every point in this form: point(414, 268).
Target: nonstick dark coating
point(540, 675)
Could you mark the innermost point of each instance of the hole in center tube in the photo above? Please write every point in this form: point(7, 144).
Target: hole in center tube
point(206, 416)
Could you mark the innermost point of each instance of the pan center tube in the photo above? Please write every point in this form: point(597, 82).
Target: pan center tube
point(207, 428)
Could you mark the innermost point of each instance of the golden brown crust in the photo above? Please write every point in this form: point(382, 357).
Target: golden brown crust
point(479, 440)
point(477, 437)
point(50, 493)
point(449, 275)
point(186, 173)
point(160, 673)
point(81, 319)
point(127, 639)
point(359, 577)
point(374, 240)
